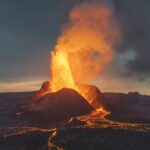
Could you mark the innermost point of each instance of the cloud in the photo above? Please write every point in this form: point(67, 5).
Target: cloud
point(135, 20)
point(28, 31)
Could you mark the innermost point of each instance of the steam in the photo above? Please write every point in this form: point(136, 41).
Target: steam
point(87, 41)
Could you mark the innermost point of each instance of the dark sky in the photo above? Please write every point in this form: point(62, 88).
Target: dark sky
point(29, 30)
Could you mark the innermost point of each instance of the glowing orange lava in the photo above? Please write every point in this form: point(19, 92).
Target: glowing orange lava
point(61, 73)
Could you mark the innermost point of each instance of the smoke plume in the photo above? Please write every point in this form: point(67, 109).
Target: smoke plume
point(87, 41)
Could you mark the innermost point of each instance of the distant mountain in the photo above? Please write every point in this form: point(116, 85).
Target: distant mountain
point(131, 107)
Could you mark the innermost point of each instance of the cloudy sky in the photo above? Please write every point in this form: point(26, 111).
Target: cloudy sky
point(29, 30)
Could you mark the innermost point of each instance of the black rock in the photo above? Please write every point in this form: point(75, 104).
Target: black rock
point(61, 105)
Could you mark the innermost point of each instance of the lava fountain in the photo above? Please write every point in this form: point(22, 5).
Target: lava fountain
point(84, 47)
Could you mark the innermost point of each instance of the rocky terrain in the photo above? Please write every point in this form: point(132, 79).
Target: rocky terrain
point(31, 123)
point(131, 107)
point(58, 106)
point(101, 138)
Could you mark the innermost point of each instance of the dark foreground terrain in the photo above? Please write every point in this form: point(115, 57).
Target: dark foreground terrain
point(26, 141)
point(78, 139)
point(127, 127)
point(102, 139)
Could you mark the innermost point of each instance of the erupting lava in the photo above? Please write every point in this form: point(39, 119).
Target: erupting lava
point(84, 47)
point(61, 72)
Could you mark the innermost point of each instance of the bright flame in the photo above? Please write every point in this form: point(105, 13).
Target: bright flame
point(84, 47)
point(61, 73)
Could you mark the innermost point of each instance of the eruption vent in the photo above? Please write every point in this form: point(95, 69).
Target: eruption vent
point(84, 47)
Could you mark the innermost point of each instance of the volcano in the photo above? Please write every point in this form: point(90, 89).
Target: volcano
point(61, 105)
point(47, 106)
point(93, 95)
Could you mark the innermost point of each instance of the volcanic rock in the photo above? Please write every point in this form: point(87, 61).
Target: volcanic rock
point(131, 107)
point(61, 105)
point(46, 87)
point(101, 139)
point(95, 96)
point(75, 122)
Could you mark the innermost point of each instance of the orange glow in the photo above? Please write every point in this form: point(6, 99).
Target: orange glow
point(61, 73)
point(84, 48)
